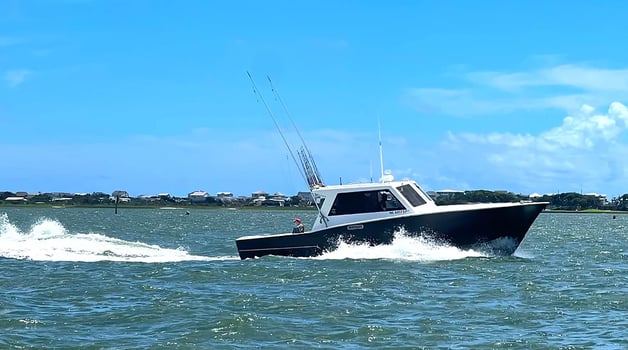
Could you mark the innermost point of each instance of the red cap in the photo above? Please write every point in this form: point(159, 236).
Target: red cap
point(297, 220)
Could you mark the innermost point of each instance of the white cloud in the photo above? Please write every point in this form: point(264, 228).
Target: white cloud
point(565, 87)
point(570, 75)
point(463, 102)
point(587, 130)
point(619, 112)
point(586, 150)
point(16, 77)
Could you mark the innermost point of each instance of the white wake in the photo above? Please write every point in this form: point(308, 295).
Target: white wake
point(403, 247)
point(48, 240)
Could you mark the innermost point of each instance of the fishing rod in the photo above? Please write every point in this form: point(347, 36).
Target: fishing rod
point(270, 112)
point(306, 169)
point(307, 159)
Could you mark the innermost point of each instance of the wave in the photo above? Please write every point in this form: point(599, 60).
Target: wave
point(404, 247)
point(48, 240)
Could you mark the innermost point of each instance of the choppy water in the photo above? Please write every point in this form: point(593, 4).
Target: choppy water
point(151, 278)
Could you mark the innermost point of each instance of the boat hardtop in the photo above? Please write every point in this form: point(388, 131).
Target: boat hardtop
point(375, 201)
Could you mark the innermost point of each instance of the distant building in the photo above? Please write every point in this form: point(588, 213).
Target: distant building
point(601, 197)
point(306, 198)
point(259, 194)
point(274, 202)
point(16, 199)
point(61, 195)
point(270, 202)
point(278, 195)
point(147, 197)
point(447, 193)
point(224, 194)
point(121, 196)
point(198, 196)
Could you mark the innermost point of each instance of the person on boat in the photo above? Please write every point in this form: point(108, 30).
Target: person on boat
point(298, 226)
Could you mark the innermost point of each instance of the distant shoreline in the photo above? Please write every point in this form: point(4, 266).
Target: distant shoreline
point(162, 207)
point(215, 207)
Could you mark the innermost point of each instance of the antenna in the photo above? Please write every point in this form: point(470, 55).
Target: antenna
point(386, 175)
point(381, 153)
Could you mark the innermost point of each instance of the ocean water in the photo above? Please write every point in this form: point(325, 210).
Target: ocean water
point(158, 278)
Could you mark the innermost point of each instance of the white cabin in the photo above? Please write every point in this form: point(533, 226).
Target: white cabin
point(345, 204)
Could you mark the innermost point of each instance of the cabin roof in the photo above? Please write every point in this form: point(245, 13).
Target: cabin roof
point(362, 186)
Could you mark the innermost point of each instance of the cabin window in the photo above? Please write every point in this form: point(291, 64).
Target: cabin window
point(364, 202)
point(411, 195)
point(389, 202)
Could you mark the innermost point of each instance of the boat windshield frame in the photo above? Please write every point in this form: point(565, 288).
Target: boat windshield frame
point(411, 195)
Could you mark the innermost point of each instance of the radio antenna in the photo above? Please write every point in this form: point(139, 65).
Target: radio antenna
point(381, 153)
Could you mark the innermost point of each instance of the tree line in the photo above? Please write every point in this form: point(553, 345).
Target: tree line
point(101, 198)
point(561, 201)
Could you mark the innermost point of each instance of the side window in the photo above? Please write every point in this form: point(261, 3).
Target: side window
point(411, 195)
point(364, 202)
point(388, 201)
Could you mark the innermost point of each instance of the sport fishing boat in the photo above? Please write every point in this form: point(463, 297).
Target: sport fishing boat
point(373, 213)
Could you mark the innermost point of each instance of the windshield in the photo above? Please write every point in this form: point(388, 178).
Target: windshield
point(411, 195)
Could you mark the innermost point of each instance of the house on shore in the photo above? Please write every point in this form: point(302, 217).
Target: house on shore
point(198, 196)
point(306, 198)
point(445, 193)
point(121, 196)
point(16, 200)
point(259, 194)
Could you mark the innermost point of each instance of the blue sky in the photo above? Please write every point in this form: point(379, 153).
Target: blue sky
point(153, 96)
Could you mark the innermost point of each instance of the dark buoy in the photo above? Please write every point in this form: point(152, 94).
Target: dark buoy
point(614, 217)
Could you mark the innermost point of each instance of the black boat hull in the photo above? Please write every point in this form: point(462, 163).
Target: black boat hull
point(460, 228)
